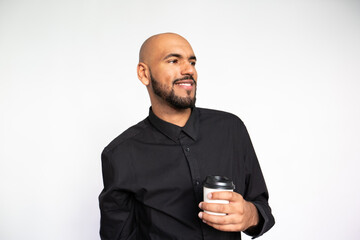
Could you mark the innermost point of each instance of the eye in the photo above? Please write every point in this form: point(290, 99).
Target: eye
point(193, 63)
point(173, 61)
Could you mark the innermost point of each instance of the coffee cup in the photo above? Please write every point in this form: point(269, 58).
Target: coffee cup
point(217, 184)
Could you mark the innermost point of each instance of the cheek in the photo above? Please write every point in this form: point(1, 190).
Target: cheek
point(169, 74)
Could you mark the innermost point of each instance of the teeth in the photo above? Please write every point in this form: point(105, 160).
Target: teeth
point(185, 84)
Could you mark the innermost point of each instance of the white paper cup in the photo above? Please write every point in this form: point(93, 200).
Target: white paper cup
point(217, 184)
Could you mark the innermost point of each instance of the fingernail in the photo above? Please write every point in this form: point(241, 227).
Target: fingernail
point(209, 196)
point(200, 205)
point(200, 215)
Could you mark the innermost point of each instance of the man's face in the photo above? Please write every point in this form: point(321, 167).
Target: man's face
point(173, 74)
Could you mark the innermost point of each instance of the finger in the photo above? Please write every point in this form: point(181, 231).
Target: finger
point(225, 195)
point(216, 207)
point(216, 219)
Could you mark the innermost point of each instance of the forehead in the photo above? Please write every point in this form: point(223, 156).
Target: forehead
point(172, 45)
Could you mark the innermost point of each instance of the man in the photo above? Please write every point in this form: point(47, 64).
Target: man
point(153, 171)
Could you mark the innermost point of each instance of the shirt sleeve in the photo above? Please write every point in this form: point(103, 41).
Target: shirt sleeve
point(256, 190)
point(116, 203)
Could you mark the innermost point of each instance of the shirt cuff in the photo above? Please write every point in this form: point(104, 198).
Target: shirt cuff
point(260, 228)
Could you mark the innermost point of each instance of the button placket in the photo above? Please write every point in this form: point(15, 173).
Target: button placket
point(193, 166)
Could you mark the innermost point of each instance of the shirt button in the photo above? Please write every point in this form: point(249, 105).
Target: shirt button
point(187, 149)
point(197, 183)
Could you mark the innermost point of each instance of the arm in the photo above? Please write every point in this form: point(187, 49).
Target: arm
point(116, 204)
point(249, 212)
point(256, 191)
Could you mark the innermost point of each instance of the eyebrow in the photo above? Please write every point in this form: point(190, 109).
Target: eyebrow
point(192, 58)
point(178, 56)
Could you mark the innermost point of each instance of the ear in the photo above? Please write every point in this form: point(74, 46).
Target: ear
point(143, 73)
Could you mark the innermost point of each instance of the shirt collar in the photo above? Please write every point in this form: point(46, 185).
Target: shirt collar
point(173, 131)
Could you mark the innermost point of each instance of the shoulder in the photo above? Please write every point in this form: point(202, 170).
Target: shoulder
point(125, 137)
point(218, 115)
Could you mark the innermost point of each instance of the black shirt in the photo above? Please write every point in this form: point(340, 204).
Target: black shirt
point(153, 175)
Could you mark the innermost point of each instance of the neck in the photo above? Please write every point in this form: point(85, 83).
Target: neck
point(169, 114)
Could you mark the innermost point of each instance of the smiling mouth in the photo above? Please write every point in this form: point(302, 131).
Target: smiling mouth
point(187, 85)
point(185, 82)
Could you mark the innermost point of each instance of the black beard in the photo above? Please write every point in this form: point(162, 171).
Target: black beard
point(170, 97)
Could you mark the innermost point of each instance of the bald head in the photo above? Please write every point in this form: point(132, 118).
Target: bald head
point(167, 68)
point(155, 45)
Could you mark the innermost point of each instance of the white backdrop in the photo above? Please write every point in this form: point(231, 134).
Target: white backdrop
point(68, 86)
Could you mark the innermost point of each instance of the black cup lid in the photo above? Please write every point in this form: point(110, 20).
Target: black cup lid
point(218, 182)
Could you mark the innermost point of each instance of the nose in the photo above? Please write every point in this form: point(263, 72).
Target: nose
point(188, 69)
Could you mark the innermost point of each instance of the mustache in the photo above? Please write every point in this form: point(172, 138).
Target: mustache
point(184, 78)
